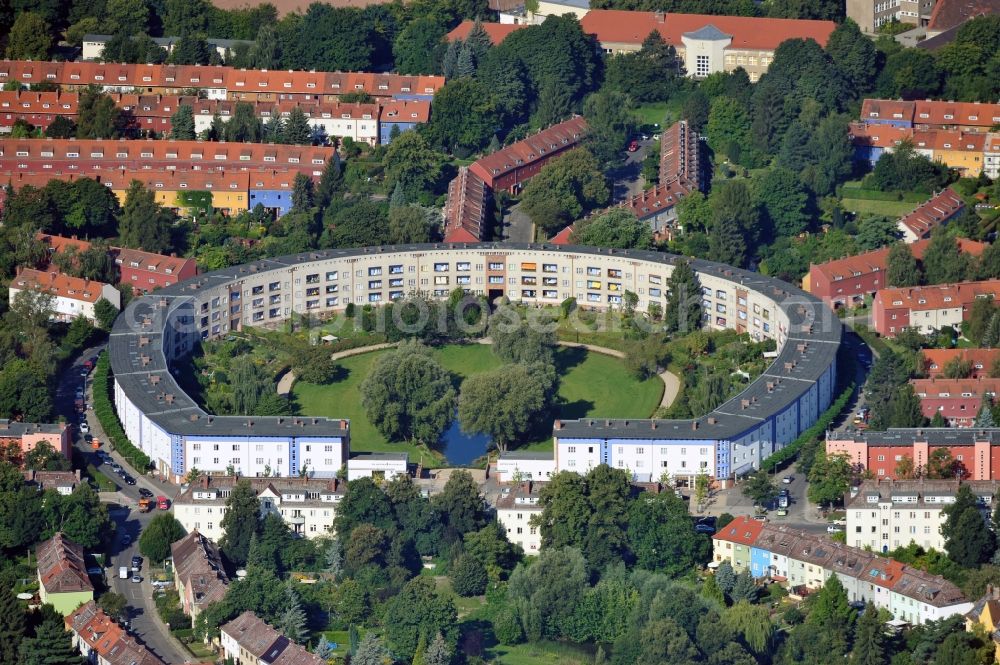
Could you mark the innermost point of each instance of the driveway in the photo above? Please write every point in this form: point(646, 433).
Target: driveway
point(517, 226)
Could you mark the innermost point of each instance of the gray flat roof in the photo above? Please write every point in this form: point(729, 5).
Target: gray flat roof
point(941, 436)
point(812, 339)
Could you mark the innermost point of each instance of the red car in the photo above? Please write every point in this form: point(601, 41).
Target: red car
point(633, 146)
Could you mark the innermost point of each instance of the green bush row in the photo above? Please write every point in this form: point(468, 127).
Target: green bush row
point(784, 456)
point(105, 412)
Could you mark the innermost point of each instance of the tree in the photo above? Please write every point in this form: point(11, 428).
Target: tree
point(617, 228)
point(43, 457)
point(61, 127)
point(125, 18)
point(438, 653)
point(545, 594)
point(52, 643)
point(902, 267)
point(115, 605)
point(505, 402)
point(784, 200)
point(905, 408)
point(660, 536)
point(943, 261)
point(182, 123)
point(728, 131)
point(516, 340)
point(419, 47)
point(240, 522)
point(105, 313)
point(330, 182)
point(564, 188)
point(466, 115)
point(12, 626)
point(98, 117)
point(610, 123)
point(296, 130)
point(293, 621)
point(24, 391)
point(967, 541)
point(869, 639)
point(370, 652)
point(418, 611)
point(144, 223)
point(244, 126)
point(460, 505)
point(831, 155)
point(759, 487)
point(829, 478)
point(734, 224)
point(250, 384)
point(30, 38)
point(159, 534)
point(408, 395)
point(324, 649)
point(413, 224)
point(684, 309)
point(468, 576)
point(854, 54)
point(302, 192)
point(491, 548)
point(744, 588)
point(412, 164)
point(752, 623)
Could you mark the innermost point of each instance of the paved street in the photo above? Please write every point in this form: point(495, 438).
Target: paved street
point(517, 226)
point(146, 624)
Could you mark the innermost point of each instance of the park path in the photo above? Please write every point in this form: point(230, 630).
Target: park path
point(671, 383)
point(288, 378)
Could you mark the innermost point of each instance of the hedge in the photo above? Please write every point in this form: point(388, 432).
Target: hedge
point(105, 412)
point(784, 456)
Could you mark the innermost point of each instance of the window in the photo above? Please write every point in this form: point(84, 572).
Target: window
point(701, 65)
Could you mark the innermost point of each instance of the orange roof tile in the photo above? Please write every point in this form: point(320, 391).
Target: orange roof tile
point(932, 213)
point(535, 147)
point(613, 26)
point(405, 111)
point(942, 296)
point(878, 136)
point(58, 284)
point(935, 359)
point(497, 32)
point(968, 114)
point(743, 530)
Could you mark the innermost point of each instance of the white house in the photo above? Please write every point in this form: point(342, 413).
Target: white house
point(71, 296)
point(515, 508)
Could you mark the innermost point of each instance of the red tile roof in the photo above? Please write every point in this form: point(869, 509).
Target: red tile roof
point(58, 244)
point(934, 360)
point(964, 114)
point(563, 237)
point(942, 296)
point(877, 260)
point(878, 136)
point(743, 530)
point(460, 235)
point(61, 567)
point(497, 32)
point(58, 284)
point(881, 572)
point(399, 110)
point(535, 147)
point(612, 26)
point(934, 212)
point(148, 261)
point(466, 207)
point(106, 638)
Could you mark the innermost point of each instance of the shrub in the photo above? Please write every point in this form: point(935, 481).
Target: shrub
point(507, 628)
point(105, 412)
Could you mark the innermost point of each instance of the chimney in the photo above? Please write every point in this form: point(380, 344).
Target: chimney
point(694, 424)
point(558, 424)
point(204, 481)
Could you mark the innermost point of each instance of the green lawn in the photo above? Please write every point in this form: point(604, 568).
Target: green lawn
point(887, 208)
point(543, 653)
point(591, 385)
point(656, 112)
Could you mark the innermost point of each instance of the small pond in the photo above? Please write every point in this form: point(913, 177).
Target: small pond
point(462, 449)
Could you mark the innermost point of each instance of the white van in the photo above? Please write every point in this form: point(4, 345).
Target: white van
point(123, 573)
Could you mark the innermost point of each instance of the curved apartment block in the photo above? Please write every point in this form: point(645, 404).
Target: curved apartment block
point(156, 330)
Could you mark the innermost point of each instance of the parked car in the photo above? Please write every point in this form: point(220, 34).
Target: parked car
point(85, 428)
point(834, 529)
point(783, 512)
point(136, 562)
point(707, 529)
point(787, 480)
point(136, 578)
point(123, 572)
point(88, 437)
point(129, 480)
point(633, 146)
point(126, 540)
point(145, 493)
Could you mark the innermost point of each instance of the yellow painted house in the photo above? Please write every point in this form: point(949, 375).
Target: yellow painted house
point(962, 151)
point(189, 192)
point(985, 615)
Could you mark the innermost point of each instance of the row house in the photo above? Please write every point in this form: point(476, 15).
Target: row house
point(973, 451)
point(803, 562)
point(848, 281)
point(101, 641)
point(957, 400)
point(931, 114)
point(516, 507)
point(981, 361)
point(92, 156)
point(71, 296)
point(936, 211)
point(143, 271)
point(467, 209)
point(62, 574)
point(958, 149)
point(218, 82)
point(307, 505)
point(705, 44)
point(199, 576)
point(249, 640)
point(927, 308)
point(25, 436)
point(885, 514)
point(372, 124)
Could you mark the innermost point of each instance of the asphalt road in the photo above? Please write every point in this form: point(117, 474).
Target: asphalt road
point(145, 623)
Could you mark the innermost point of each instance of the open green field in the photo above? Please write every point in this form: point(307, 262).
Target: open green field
point(663, 113)
point(590, 385)
point(886, 208)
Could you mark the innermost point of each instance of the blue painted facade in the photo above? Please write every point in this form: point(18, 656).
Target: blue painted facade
point(760, 562)
point(867, 153)
point(177, 454)
point(891, 122)
point(385, 130)
point(278, 199)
